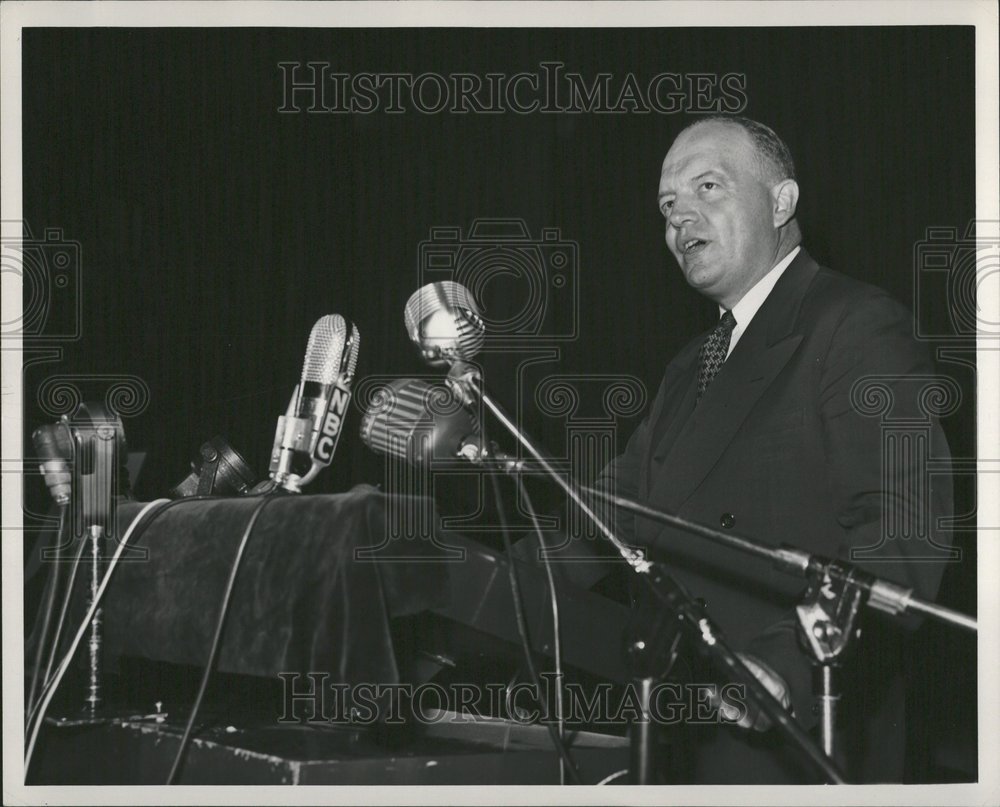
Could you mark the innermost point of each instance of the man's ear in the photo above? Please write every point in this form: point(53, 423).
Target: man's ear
point(785, 196)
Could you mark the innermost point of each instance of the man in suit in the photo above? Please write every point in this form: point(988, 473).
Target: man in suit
point(758, 427)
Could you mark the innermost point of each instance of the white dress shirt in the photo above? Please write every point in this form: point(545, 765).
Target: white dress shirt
point(751, 302)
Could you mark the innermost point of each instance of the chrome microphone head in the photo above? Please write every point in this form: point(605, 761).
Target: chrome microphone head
point(325, 350)
point(298, 431)
point(444, 321)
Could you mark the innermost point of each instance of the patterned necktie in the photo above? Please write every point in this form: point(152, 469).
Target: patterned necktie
point(713, 351)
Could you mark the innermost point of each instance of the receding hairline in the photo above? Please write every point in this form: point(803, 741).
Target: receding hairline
point(774, 159)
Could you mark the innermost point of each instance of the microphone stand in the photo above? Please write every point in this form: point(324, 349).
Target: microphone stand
point(827, 623)
point(651, 649)
point(829, 611)
point(669, 594)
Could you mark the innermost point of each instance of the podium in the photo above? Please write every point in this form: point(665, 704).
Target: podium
point(314, 597)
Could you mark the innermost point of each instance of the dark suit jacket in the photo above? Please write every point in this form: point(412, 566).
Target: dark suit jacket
point(778, 450)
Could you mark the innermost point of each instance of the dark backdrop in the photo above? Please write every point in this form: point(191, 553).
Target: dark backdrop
point(214, 231)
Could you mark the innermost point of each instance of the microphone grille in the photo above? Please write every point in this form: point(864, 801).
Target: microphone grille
point(453, 298)
point(416, 421)
point(324, 351)
point(399, 410)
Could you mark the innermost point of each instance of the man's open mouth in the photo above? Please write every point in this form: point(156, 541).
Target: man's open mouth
point(692, 245)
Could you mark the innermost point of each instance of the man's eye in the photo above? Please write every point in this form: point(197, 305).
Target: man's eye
point(667, 206)
point(708, 185)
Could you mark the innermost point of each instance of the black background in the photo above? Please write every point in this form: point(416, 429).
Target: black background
point(214, 230)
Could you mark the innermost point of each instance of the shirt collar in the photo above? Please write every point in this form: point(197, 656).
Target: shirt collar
point(749, 304)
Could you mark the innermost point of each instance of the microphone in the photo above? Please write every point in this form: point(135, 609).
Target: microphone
point(329, 434)
point(444, 321)
point(422, 423)
point(100, 452)
point(98, 474)
point(54, 445)
point(299, 453)
point(219, 470)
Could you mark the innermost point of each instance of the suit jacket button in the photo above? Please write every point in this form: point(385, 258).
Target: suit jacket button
point(727, 520)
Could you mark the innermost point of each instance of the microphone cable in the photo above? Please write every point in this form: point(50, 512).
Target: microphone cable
point(217, 639)
point(554, 598)
point(50, 689)
point(57, 636)
point(522, 626)
point(67, 598)
point(52, 683)
point(51, 589)
point(61, 623)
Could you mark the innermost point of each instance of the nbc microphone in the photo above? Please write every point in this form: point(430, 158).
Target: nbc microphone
point(325, 443)
point(307, 433)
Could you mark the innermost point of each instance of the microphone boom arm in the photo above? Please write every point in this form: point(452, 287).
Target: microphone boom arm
point(882, 594)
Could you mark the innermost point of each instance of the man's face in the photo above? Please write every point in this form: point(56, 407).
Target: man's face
point(719, 211)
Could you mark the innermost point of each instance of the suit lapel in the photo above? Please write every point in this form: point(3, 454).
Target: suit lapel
point(676, 410)
point(676, 402)
point(699, 440)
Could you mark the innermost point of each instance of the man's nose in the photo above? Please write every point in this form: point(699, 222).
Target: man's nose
point(682, 213)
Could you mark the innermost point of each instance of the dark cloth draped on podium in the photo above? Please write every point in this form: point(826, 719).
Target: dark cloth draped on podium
point(303, 602)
